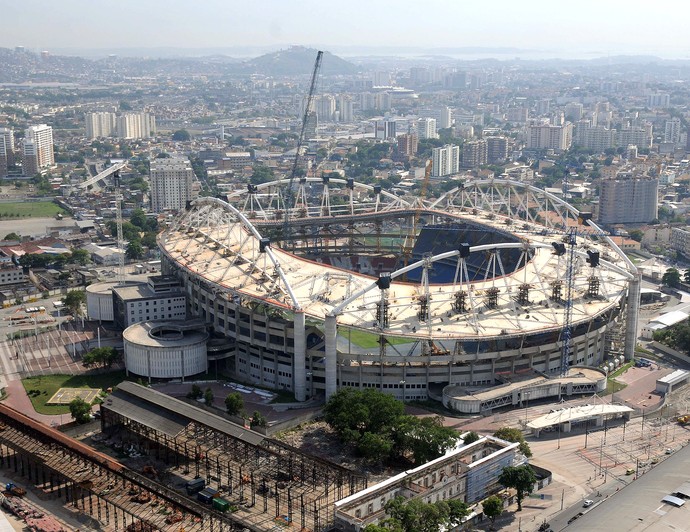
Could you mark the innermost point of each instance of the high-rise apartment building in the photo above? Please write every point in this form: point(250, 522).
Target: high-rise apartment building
point(597, 138)
point(311, 125)
point(136, 126)
point(574, 111)
point(496, 149)
point(641, 135)
point(384, 129)
point(324, 106)
point(345, 109)
point(517, 114)
point(171, 183)
point(101, 124)
point(37, 149)
point(659, 99)
point(628, 199)
point(6, 150)
point(474, 154)
point(407, 144)
point(672, 130)
point(426, 128)
point(445, 161)
point(546, 136)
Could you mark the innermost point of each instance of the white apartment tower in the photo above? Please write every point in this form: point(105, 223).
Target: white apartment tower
point(6, 150)
point(99, 125)
point(171, 183)
point(426, 128)
point(547, 136)
point(445, 161)
point(38, 149)
point(346, 109)
point(136, 126)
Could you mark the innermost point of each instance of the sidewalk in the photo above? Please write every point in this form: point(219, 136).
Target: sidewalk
point(17, 399)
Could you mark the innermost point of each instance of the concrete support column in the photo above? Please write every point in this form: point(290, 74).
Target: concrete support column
point(634, 288)
point(331, 356)
point(599, 421)
point(299, 365)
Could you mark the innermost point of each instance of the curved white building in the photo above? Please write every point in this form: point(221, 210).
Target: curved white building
point(356, 296)
point(165, 350)
point(99, 301)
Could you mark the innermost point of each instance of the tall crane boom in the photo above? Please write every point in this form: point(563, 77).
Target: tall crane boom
point(305, 118)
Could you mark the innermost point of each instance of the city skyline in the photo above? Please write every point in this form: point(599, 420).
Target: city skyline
point(531, 29)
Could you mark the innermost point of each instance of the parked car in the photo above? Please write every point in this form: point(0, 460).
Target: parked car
point(587, 503)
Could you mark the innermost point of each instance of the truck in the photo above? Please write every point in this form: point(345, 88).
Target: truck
point(15, 490)
point(221, 505)
point(207, 495)
point(195, 486)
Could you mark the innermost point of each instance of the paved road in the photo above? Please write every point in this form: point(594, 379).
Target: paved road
point(638, 506)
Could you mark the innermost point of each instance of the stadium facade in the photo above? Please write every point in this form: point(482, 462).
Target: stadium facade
point(341, 284)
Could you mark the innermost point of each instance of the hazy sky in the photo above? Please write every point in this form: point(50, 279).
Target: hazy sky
point(581, 28)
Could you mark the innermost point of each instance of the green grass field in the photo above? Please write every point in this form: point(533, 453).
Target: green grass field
point(47, 385)
point(38, 209)
point(369, 340)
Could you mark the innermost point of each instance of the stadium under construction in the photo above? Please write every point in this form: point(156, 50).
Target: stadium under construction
point(334, 283)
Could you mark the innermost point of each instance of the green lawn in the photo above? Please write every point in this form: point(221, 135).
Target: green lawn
point(49, 384)
point(369, 340)
point(38, 209)
point(613, 386)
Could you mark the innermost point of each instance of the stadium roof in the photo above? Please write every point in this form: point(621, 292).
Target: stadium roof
point(577, 413)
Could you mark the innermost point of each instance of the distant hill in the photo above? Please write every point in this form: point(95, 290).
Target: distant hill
point(298, 60)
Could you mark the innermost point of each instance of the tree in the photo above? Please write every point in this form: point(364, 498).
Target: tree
point(521, 479)
point(80, 410)
point(181, 135)
point(258, 420)
point(208, 397)
point(12, 236)
point(101, 356)
point(149, 240)
point(262, 174)
point(514, 436)
point(636, 234)
point(471, 437)
point(424, 438)
point(135, 250)
point(138, 218)
point(671, 278)
point(492, 507)
point(195, 392)
point(234, 404)
point(415, 515)
point(73, 300)
point(80, 256)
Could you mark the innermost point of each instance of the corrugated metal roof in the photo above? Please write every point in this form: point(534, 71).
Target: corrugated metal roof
point(684, 490)
point(175, 407)
point(674, 378)
point(675, 501)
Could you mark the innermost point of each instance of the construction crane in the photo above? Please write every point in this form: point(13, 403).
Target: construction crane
point(412, 234)
point(120, 238)
point(288, 196)
point(568, 246)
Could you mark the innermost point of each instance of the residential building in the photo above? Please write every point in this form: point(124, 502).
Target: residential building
point(345, 109)
point(311, 125)
point(101, 124)
point(426, 128)
point(597, 138)
point(384, 129)
point(496, 149)
point(38, 149)
point(6, 150)
point(680, 241)
point(171, 183)
point(324, 106)
point(640, 136)
point(672, 130)
point(517, 114)
point(574, 112)
point(445, 160)
point(628, 199)
point(474, 154)
point(546, 136)
point(659, 99)
point(136, 126)
point(160, 298)
point(407, 144)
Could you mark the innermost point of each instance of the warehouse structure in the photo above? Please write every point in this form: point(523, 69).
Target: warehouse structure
point(272, 481)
